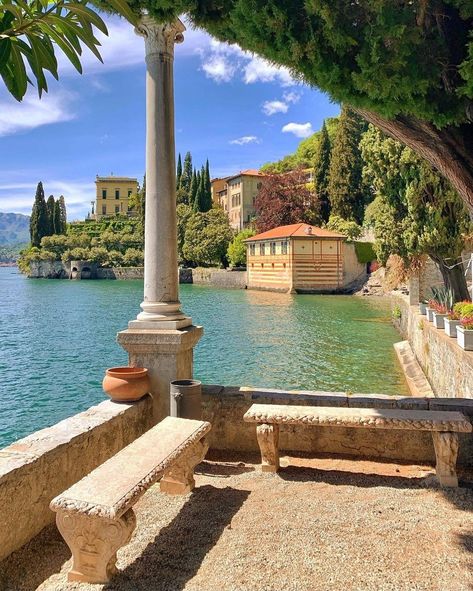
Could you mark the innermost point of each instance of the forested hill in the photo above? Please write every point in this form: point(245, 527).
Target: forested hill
point(14, 228)
point(304, 155)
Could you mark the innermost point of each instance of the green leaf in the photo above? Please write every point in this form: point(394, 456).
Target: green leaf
point(63, 45)
point(5, 48)
point(89, 14)
point(20, 80)
point(123, 8)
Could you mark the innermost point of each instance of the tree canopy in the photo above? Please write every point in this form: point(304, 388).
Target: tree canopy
point(405, 66)
point(415, 211)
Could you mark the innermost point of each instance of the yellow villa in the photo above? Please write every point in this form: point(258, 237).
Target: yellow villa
point(297, 258)
point(113, 194)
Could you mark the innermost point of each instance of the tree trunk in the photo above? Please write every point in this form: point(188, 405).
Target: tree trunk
point(449, 150)
point(454, 279)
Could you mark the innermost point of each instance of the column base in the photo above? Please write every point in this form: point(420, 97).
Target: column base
point(168, 354)
point(160, 324)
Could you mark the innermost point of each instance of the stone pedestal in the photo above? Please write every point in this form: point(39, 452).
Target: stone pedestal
point(167, 354)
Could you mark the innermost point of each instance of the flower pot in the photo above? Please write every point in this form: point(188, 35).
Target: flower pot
point(439, 320)
point(126, 384)
point(451, 327)
point(430, 314)
point(423, 308)
point(465, 338)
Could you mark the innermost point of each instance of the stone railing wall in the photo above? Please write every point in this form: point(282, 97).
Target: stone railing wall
point(447, 366)
point(35, 469)
point(224, 407)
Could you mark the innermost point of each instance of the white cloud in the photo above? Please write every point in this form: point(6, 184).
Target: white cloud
point(298, 129)
point(259, 70)
point(33, 112)
point(246, 139)
point(219, 69)
point(273, 107)
point(292, 97)
point(19, 196)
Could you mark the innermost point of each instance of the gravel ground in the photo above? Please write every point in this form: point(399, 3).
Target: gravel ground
point(318, 525)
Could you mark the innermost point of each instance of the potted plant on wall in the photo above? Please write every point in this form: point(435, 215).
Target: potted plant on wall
point(452, 319)
point(465, 333)
point(441, 303)
point(430, 309)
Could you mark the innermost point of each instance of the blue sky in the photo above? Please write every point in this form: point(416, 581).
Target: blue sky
point(231, 107)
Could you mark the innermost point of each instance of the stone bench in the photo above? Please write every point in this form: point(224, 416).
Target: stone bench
point(95, 515)
point(443, 425)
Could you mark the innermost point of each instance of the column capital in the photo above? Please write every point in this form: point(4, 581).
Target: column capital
point(160, 37)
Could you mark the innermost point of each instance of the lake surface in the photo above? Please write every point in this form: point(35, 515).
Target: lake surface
point(58, 337)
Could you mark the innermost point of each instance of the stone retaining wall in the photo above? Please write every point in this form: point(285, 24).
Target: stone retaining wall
point(35, 469)
point(447, 366)
point(220, 277)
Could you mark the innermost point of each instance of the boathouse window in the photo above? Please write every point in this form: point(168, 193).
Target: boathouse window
point(252, 249)
point(261, 249)
point(272, 247)
point(284, 247)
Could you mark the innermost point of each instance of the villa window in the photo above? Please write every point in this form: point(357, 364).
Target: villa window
point(284, 247)
point(261, 249)
point(117, 193)
point(129, 192)
point(272, 247)
point(104, 210)
point(117, 209)
point(259, 185)
point(104, 193)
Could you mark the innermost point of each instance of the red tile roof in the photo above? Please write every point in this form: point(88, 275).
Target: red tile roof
point(297, 230)
point(248, 172)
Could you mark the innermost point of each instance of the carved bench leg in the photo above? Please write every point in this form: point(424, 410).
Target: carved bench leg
point(179, 479)
point(94, 542)
point(268, 441)
point(446, 451)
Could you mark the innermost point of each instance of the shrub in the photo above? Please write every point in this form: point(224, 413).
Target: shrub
point(467, 322)
point(347, 227)
point(133, 258)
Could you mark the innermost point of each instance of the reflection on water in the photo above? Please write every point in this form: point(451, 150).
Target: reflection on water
point(59, 336)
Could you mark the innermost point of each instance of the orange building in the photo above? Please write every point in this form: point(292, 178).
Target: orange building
point(296, 258)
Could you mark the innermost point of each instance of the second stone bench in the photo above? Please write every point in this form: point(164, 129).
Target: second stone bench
point(444, 427)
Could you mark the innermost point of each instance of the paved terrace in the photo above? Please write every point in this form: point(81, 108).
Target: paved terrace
point(324, 524)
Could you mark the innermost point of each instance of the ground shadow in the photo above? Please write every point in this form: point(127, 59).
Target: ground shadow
point(28, 567)
point(222, 470)
point(175, 555)
point(347, 478)
point(462, 498)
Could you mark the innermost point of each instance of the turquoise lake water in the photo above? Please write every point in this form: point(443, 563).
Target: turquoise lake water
point(58, 337)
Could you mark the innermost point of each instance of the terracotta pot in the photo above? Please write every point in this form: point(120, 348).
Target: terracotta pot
point(126, 384)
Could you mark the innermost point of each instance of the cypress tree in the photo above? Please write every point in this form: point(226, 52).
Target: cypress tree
point(321, 173)
point(193, 189)
point(50, 205)
point(345, 186)
point(199, 202)
point(63, 214)
point(186, 176)
point(178, 172)
point(208, 185)
point(39, 223)
point(57, 218)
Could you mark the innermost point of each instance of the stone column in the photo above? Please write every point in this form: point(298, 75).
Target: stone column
point(162, 336)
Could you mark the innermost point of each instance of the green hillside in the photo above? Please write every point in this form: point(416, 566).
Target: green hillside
point(14, 228)
point(304, 155)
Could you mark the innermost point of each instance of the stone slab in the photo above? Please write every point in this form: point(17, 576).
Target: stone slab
point(114, 487)
point(359, 417)
point(416, 380)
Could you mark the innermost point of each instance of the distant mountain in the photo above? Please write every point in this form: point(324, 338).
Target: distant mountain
point(14, 228)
